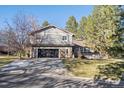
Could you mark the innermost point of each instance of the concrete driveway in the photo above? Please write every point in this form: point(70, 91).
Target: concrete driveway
point(43, 73)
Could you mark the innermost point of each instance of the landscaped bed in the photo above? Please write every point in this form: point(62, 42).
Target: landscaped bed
point(112, 68)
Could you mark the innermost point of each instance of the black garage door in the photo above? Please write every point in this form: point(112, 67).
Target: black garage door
point(51, 53)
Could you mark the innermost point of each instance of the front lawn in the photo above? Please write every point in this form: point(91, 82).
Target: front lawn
point(91, 68)
point(6, 59)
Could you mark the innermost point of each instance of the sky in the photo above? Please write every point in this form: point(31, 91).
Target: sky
point(54, 14)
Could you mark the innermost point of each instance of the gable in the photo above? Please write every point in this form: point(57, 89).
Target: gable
point(52, 30)
point(51, 35)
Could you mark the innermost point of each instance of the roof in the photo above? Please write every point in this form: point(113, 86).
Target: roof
point(79, 43)
point(48, 27)
point(52, 45)
point(74, 42)
point(2, 44)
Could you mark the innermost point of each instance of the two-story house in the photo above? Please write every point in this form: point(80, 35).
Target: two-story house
point(52, 42)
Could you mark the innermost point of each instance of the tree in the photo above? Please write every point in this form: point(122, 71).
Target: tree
point(45, 23)
point(9, 39)
point(33, 23)
point(89, 38)
point(82, 23)
point(88, 32)
point(81, 27)
point(2, 38)
point(71, 24)
point(105, 27)
point(118, 48)
point(17, 32)
point(101, 28)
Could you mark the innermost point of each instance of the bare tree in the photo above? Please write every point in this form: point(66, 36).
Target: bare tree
point(33, 23)
point(9, 36)
point(17, 33)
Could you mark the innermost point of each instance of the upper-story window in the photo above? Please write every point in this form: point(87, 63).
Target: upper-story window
point(64, 37)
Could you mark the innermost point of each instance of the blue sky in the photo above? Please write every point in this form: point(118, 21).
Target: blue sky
point(55, 14)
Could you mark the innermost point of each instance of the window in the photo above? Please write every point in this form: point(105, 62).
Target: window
point(85, 50)
point(64, 37)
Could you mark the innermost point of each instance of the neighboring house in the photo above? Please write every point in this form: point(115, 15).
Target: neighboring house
point(3, 49)
point(53, 42)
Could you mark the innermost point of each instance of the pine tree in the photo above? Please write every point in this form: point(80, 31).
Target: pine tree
point(82, 23)
point(71, 24)
point(88, 32)
point(45, 23)
point(101, 28)
point(81, 27)
point(118, 48)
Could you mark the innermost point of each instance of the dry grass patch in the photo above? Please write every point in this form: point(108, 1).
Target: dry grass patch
point(86, 68)
point(7, 59)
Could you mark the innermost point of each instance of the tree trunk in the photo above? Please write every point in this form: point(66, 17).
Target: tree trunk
point(20, 55)
point(8, 50)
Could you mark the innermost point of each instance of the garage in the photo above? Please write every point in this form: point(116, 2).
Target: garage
point(48, 53)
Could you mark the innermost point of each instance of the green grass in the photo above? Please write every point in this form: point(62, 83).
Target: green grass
point(91, 68)
point(6, 59)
